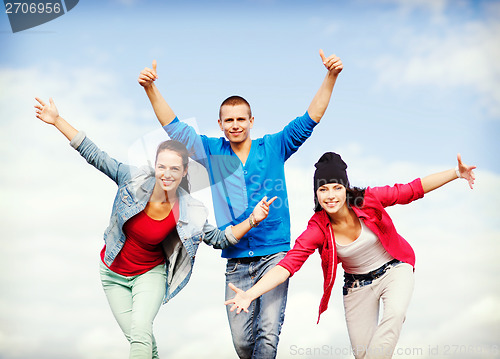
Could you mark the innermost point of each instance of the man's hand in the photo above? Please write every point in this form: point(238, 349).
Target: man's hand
point(332, 63)
point(148, 76)
point(261, 210)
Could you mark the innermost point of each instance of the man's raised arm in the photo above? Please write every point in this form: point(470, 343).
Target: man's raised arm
point(321, 100)
point(162, 110)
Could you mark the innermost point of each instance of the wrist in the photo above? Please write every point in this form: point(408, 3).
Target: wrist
point(58, 120)
point(252, 222)
point(457, 172)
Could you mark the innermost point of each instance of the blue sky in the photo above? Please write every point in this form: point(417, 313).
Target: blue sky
point(421, 82)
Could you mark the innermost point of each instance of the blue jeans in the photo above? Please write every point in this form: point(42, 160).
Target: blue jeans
point(135, 301)
point(256, 333)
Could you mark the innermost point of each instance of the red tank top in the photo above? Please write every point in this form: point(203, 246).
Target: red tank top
point(143, 250)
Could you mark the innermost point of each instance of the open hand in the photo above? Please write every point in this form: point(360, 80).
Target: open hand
point(332, 63)
point(261, 210)
point(240, 302)
point(466, 171)
point(48, 113)
point(148, 76)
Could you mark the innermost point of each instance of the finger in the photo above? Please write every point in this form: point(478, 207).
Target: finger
point(330, 60)
point(272, 200)
point(145, 78)
point(150, 76)
point(233, 308)
point(459, 159)
point(322, 54)
point(154, 66)
point(229, 301)
point(337, 63)
point(233, 287)
point(51, 101)
point(40, 101)
point(245, 310)
point(238, 311)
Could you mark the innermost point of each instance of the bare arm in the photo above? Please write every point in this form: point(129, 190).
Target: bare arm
point(271, 280)
point(436, 180)
point(48, 113)
point(321, 100)
point(163, 111)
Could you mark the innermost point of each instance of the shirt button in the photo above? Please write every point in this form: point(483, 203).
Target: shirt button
point(180, 224)
point(245, 172)
point(250, 253)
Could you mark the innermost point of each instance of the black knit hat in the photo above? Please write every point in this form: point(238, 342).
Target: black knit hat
point(330, 168)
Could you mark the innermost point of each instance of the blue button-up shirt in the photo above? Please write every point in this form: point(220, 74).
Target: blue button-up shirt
point(237, 187)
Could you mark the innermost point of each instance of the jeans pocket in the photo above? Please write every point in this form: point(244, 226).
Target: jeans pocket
point(231, 267)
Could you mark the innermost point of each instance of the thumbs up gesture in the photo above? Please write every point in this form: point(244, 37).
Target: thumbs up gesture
point(148, 76)
point(332, 63)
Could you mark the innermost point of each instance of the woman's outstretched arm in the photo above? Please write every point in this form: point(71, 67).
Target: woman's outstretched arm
point(439, 179)
point(48, 113)
point(269, 281)
point(116, 170)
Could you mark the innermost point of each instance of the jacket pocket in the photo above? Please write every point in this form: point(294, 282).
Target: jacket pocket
point(126, 197)
point(269, 232)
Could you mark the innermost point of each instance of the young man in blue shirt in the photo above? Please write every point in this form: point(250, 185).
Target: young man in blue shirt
point(241, 172)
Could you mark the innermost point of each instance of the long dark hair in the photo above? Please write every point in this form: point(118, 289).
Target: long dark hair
point(355, 197)
point(181, 150)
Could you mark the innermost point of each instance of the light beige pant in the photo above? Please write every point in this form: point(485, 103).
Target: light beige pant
point(369, 338)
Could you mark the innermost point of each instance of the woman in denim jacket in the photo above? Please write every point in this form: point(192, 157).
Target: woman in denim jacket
point(154, 231)
point(351, 226)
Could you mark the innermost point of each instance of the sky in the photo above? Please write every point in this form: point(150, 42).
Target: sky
point(421, 83)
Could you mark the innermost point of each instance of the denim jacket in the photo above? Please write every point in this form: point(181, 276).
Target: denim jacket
point(135, 186)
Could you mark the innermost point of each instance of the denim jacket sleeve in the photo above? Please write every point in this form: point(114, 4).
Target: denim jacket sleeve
point(217, 238)
point(117, 171)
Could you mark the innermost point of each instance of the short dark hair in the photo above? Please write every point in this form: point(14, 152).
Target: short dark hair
point(355, 197)
point(234, 101)
point(181, 150)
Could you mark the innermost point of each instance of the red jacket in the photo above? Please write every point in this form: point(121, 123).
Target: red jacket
point(319, 234)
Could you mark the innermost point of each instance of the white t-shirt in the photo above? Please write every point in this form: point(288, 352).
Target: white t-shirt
point(363, 255)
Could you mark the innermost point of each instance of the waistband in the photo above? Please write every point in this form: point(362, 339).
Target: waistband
point(360, 280)
point(248, 260)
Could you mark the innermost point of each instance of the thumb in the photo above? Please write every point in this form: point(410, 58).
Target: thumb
point(322, 54)
point(51, 101)
point(154, 66)
point(459, 158)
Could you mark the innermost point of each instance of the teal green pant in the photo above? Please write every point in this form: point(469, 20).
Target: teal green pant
point(135, 301)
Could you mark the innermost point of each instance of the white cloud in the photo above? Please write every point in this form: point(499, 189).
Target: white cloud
point(456, 54)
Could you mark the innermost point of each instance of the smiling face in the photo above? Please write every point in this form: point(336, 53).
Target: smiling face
point(169, 170)
point(236, 122)
point(331, 197)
